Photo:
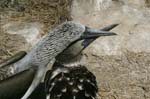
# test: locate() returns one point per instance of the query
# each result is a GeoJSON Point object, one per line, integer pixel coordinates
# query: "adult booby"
{"type": "Point", "coordinates": [48, 48]}
{"type": "Point", "coordinates": [67, 81]}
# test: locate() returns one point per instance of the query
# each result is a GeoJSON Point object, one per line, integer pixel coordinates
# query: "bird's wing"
{"type": "Point", "coordinates": [39, 92]}
{"type": "Point", "coordinates": [6, 67]}
{"type": "Point", "coordinates": [13, 59]}
{"type": "Point", "coordinates": [15, 86]}
{"type": "Point", "coordinates": [36, 81]}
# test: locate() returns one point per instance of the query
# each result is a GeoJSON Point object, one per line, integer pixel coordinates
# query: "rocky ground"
{"type": "Point", "coordinates": [121, 63]}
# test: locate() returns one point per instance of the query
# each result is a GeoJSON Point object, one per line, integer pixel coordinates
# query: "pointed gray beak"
{"type": "Point", "coordinates": [94, 33]}
{"type": "Point", "coordinates": [109, 27]}
{"type": "Point", "coordinates": [74, 50]}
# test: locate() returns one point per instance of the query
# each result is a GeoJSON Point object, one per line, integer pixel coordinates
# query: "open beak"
{"type": "Point", "coordinates": [91, 34]}
{"type": "Point", "coordinates": [94, 33]}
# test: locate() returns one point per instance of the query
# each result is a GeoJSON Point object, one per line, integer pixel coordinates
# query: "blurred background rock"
{"type": "Point", "coordinates": [121, 63]}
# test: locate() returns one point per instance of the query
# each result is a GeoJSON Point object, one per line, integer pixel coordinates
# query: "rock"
{"type": "Point", "coordinates": [139, 3]}
{"type": "Point", "coordinates": [79, 7]}
{"type": "Point", "coordinates": [134, 23]}
{"type": "Point", "coordinates": [30, 31]}
{"type": "Point", "coordinates": [121, 63]}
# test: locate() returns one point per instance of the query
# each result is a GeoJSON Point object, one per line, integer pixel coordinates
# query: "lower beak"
{"type": "Point", "coordinates": [92, 33]}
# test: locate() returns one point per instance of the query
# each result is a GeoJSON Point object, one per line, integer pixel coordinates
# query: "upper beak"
{"type": "Point", "coordinates": [91, 34]}
{"type": "Point", "coordinates": [109, 27]}
{"type": "Point", "coordinates": [86, 42]}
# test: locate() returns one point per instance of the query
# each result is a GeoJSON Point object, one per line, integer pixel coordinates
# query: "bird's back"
{"type": "Point", "coordinates": [72, 83]}
{"type": "Point", "coordinates": [7, 66]}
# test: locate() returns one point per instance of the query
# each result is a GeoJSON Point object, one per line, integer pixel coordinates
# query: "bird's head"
{"type": "Point", "coordinates": [59, 39]}
{"type": "Point", "coordinates": [73, 32]}
{"type": "Point", "coordinates": [82, 36]}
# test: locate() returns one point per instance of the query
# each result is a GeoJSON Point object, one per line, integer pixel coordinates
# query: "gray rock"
{"type": "Point", "coordinates": [121, 63]}
{"type": "Point", "coordinates": [30, 31]}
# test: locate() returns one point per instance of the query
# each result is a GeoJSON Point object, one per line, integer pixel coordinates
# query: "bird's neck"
{"type": "Point", "coordinates": [74, 62]}
{"type": "Point", "coordinates": [43, 52]}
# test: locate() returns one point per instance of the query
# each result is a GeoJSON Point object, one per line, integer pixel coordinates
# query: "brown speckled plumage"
{"type": "Point", "coordinates": [76, 83]}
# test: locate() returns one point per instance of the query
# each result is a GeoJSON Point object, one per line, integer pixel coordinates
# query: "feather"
{"type": "Point", "coordinates": [68, 85]}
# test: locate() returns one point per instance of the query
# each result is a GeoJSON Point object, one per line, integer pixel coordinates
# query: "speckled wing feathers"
{"type": "Point", "coordinates": [78, 83]}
